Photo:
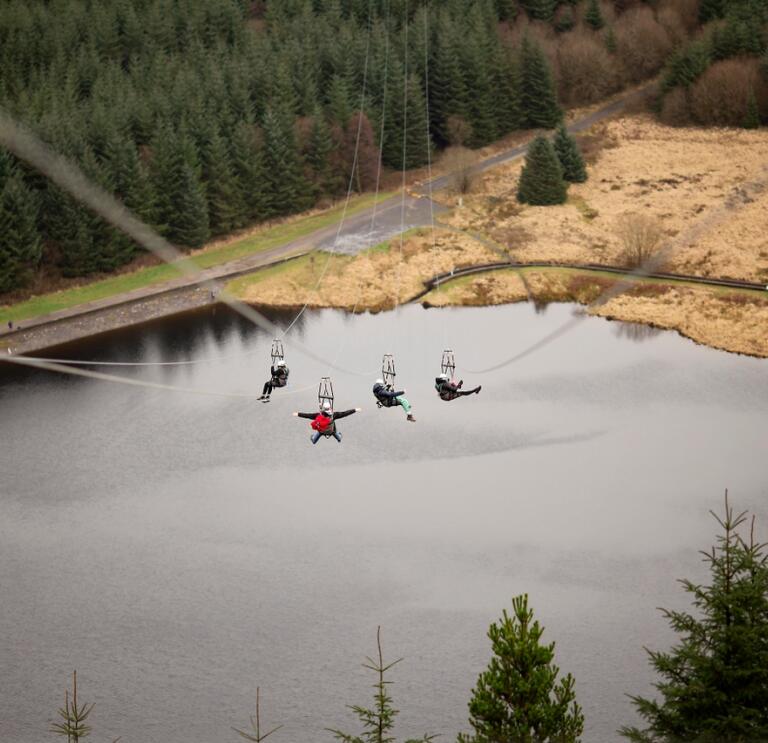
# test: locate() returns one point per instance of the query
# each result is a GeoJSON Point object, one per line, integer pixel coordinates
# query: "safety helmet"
{"type": "Point", "coordinates": [326, 406]}
{"type": "Point", "coordinates": [443, 376]}
{"type": "Point", "coordinates": [379, 381]}
{"type": "Point", "coordinates": [281, 362]}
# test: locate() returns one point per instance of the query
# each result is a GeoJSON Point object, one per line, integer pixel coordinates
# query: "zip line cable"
{"type": "Point", "coordinates": [70, 178]}
{"type": "Point", "coordinates": [429, 157]}
{"type": "Point", "coordinates": [379, 165]}
{"type": "Point", "coordinates": [53, 366]}
{"type": "Point", "coordinates": [355, 164]}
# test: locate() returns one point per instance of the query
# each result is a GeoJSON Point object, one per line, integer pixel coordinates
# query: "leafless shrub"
{"type": "Point", "coordinates": [586, 71]}
{"type": "Point", "coordinates": [675, 109]}
{"type": "Point", "coordinates": [670, 20]}
{"type": "Point", "coordinates": [458, 162]}
{"type": "Point", "coordinates": [687, 11]}
{"type": "Point", "coordinates": [640, 235]}
{"type": "Point", "coordinates": [594, 141]}
{"type": "Point", "coordinates": [642, 43]}
{"type": "Point", "coordinates": [459, 130]}
{"type": "Point", "coordinates": [721, 95]}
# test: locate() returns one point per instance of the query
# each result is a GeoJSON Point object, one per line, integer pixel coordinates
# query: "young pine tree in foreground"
{"type": "Point", "coordinates": [73, 716]}
{"type": "Point", "coordinates": [379, 721]}
{"type": "Point", "coordinates": [541, 182]}
{"type": "Point", "coordinates": [714, 682]}
{"type": "Point", "coordinates": [518, 698]}
{"type": "Point", "coordinates": [569, 155]}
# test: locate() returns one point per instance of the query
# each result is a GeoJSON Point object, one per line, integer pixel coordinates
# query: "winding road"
{"type": "Point", "coordinates": [363, 230]}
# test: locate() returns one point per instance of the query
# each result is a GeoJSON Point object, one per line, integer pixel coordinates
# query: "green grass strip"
{"type": "Point", "coordinates": [270, 237]}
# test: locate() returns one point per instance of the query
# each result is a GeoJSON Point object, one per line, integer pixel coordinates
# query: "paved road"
{"type": "Point", "coordinates": [365, 229]}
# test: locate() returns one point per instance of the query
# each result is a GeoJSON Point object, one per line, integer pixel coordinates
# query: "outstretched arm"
{"type": "Point", "coordinates": [310, 416]}
{"type": "Point", "coordinates": [345, 413]}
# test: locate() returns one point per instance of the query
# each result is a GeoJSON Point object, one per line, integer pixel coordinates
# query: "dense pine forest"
{"type": "Point", "coordinates": [205, 116]}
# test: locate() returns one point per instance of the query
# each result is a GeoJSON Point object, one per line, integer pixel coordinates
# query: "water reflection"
{"type": "Point", "coordinates": [215, 549]}
{"type": "Point", "coordinates": [636, 331]}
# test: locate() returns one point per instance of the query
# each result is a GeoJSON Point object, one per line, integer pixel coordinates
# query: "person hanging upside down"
{"type": "Point", "coordinates": [279, 378]}
{"type": "Point", "coordinates": [387, 397]}
{"type": "Point", "coordinates": [449, 389]}
{"type": "Point", "coordinates": [324, 422]}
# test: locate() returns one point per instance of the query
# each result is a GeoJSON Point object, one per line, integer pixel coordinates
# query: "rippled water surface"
{"type": "Point", "coordinates": [182, 550]}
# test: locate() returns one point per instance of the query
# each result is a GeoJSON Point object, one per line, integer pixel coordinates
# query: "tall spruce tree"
{"type": "Point", "coordinates": [287, 189]}
{"type": "Point", "coordinates": [540, 10]}
{"type": "Point", "coordinates": [226, 207]}
{"type": "Point", "coordinates": [519, 698]}
{"type": "Point", "coordinates": [714, 682]}
{"type": "Point", "coordinates": [538, 98]}
{"type": "Point", "coordinates": [541, 181]}
{"type": "Point", "coordinates": [20, 247]}
{"type": "Point", "coordinates": [569, 155]}
{"type": "Point", "coordinates": [249, 169]}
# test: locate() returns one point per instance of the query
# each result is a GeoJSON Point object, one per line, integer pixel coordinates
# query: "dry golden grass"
{"type": "Point", "coordinates": [375, 280]}
{"type": "Point", "coordinates": [674, 175]}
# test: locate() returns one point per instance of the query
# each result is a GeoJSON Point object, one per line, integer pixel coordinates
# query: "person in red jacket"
{"type": "Point", "coordinates": [324, 422]}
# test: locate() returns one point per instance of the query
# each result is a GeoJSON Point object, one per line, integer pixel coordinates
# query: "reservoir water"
{"type": "Point", "coordinates": [181, 550]}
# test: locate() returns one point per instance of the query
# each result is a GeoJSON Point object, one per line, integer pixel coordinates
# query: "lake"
{"type": "Point", "coordinates": [181, 550]}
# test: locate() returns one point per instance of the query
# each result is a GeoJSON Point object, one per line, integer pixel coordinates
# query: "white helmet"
{"type": "Point", "coordinates": [443, 376]}
{"type": "Point", "coordinates": [326, 406]}
{"type": "Point", "coordinates": [281, 362]}
{"type": "Point", "coordinates": [379, 381]}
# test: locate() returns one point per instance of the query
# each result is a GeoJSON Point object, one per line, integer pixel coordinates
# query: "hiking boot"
{"type": "Point", "coordinates": [411, 418]}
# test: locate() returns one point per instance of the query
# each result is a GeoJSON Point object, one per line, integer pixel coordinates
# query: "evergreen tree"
{"type": "Point", "coordinates": [569, 155]}
{"type": "Point", "coordinates": [226, 207]}
{"type": "Point", "coordinates": [540, 10]}
{"type": "Point", "coordinates": [537, 89]}
{"type": "Point", "coordinates": [564, 20]}
{"type": "Point", "coordinates": [287, 190]}
{"type": "Point", "coordinates": [377, 722]}
{"type": "Point", "coordinates": [518, 697]}
{"type": "Point", "coordinates": [541, 181]}
{"type": "Point", "coordinates": [709, 10]}
{"type": "Point", "coordinates": [447, 89]}
{"type": "Point", "coordinates": [189, 224]}
{"type": "Point", "coordinates": [249, 169]}
{"type": "Point", "coordinates": [714, 682]}
{"type": "Point", "coordinates": [20, 247]}
{"type": "Point", "coordinates": [752, 118]}
{"type": "Point", "coordinates": [593, 16]}
{"type": "Point", "coordinates": [319, 147]}
{"type": "Point", "coordinates": [610, 40]}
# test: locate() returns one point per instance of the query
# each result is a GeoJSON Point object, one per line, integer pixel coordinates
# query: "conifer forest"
{"type": "Point", "coordinates": [204, 116]}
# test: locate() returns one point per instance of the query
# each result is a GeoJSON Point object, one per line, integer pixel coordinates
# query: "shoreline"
{"type": "Point", "coordinates": [439, 292]}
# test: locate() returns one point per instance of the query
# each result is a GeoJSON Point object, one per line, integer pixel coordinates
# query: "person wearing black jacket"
{"type": "Point", "coordinates": [279, 378]}
{"type": "Point", "coordinates": [449, 390]}
{"type": "Point", "coordinates": [324, 422]}
{"type": "Point", "coordinates": [387, 397]}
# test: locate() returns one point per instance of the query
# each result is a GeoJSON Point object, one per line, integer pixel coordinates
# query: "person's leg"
{"type": "Point", "coordinates": [316, 437]}
{"type": "Point", "coordinates": [337, 436]}
{"type": "Point", "coordinates": [403, 402]}
{"type": "Point", "coordinates": [464, 393]}
{"type": "Point", "coordinates": [267, 391]}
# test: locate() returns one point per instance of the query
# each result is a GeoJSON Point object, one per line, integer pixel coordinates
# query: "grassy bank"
{"type": "Point", "coordinates": [262, 239]}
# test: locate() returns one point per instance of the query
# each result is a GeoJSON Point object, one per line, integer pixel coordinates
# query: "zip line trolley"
{"type": "Point", "coordinates": [448, 363]}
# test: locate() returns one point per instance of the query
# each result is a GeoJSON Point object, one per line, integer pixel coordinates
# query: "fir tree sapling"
{"type": "Point", "coordinates": [254, 734]}
{"type": "Point", "coordinates": [73, 716]}
{"type": "Point", "coordinates": [541, 181]}
{"type": "Point", "coordinates": [518, 698]}
{"type": "Point", "coordinates": [713, 684]}
{"type": "Point", "coordinates": [593, 16]}
{"type": "Point", "coordinates": [377, 722]}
